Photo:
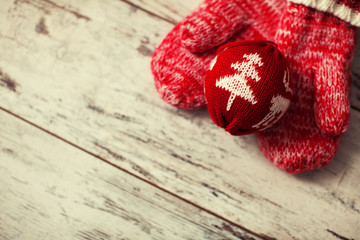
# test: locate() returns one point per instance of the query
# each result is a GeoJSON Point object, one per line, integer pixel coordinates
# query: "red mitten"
{"type": "Point", "coordinates": [319, 48]}
{"type": "Point", "coordinates": [179, 74]}
{"type": "Point", "coordinates": [248, 86]}
{"type": "Point", "coordinates": [215, 21]}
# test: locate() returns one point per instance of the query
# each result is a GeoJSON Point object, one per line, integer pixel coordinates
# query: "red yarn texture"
{"type": "Point", "coordinates": [319, 48]}
{"type": "Point", "coordinates": [248, 86]}
{"type": "Point", "coordinates": [216, 21]}
{"type": "Point", "coordinates": [179, 73]}
{"type": "Point", "coordinates": [346, 10]}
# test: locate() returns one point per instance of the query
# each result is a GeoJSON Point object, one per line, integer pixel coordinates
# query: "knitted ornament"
{"type": "Point", "coordinates": [318, 48]}
{"type": "Point", "coordinates": [248, 86]}
{"type": "Point", "coordinates": [179, 73]}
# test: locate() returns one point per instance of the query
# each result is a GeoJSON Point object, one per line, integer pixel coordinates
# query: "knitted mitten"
{"type": "Point", "coordinates": [215, 21]}
{"type": "Point", "coordinates": [179, 73]}
{"type": "Point", "coordinates": [318, 47]}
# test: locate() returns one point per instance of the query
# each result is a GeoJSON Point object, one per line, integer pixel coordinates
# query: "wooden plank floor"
{"type": "Point", "coordinates": [89, 151]}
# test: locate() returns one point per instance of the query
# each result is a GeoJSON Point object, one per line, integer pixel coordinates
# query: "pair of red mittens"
{"type": "Point", "coordinates": [317, 46]}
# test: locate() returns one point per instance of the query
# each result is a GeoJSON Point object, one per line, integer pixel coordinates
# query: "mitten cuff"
{"type": "Point", "coordinates": [346, 10]}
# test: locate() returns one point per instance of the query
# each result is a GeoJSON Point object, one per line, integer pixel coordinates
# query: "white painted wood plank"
{"type": "Point", "coordinates": [51, 190]}
{"type": "Point", "coordinates": [88, 80]}
{"type": "Point", "coordinates": [172, 11]}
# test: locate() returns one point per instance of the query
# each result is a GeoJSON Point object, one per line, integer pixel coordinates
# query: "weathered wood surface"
{"type": "Point", "coordinates": [64, 193]}
{"type": "Point", "coordinates": [170, 11]}
{"type": "Point", "coordinates": [80, 69]}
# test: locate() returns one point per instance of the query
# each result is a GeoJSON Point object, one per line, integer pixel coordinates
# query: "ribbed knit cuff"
{"type": "Point", "coordinates": [346, 10]}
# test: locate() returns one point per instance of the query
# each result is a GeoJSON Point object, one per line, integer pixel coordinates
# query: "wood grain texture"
{"type": "Point", "coordinates": [64, 193]}
{"type": "Point", "coordinates": [171, 11]}
{"type": "Point", "coordinates": [81, 70]}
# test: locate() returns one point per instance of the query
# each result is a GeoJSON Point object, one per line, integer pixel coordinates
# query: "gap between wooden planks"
{"type": "Point", "coordinates": [82, 107]}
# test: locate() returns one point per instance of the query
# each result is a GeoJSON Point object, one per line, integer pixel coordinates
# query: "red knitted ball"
{"type": "Point", "coordinates": [248, 86]}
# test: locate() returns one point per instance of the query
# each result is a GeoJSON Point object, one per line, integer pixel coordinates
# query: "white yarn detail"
{"type": "Point", "coordinates": [286, 81]}
{"type": "Point", "coordinates": [279, 104]}
{"type": "Point", "coordinates": [339, 10]}
{"type": "Point", "coordinates": [236, 84]}
{"type": "Point", "coordinates": [212, 64]}
{"type": "Point", "coordinates": [253, 59]}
